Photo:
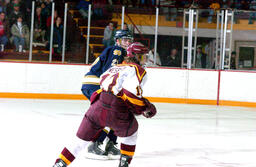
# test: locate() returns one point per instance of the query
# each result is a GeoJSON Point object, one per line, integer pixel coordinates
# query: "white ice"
{"type": "Point", "coordinates": [33, 133]}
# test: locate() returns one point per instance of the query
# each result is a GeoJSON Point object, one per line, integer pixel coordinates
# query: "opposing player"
{"type": "Point", "coordinates": [111, 56]}
{"type": "Point", "coordinates": [114, 105]}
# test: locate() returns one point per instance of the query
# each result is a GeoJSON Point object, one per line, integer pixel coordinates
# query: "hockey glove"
{"type": "Point", "coordinates": [150, 110]}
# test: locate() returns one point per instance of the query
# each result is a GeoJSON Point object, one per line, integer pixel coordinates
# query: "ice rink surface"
{"type": "Point", "coordinates": [33, 133]}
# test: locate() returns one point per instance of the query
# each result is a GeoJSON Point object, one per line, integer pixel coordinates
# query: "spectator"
{"type": "Point", "coordinates": [121, 2]}
{"type": "Point", "coordinates": [252, 14]}
{"type": "Point", "coordinates": [225, 4]}
{"type": "Point", "coordinates": [110, 2]}
{"type": "Point", "coordinates": [173, 11]}
{"type": "Point", "coordinates": [149, 61]}
{"type": "Point", "coordinates": [15, 13]}
{"type": "Point", "coordinates": [112, 41]}
{"type": "Point", "coordinates": [39, 31]}
{"type": "Point", "coordinates": [233, 60]}
{"type": "Point", "coordinates": [48, 24]}
{"type": "Point", "coordinates": [127, 28]}
{"type": "Point", "coordinates": [200, 58]}
{"type": "Point", "coordinates": [98, 6]}
{"type": "Point", "coordinates": [107, 40]}
{"type": "Point", "coordinates": [245, 4]}
{"type": "Point", "coordinates": [48, 4]}
{"type": "Point", "coordinates": [147, 3]}
{"type": "Point", "coordinates": [174, 59]}
{"type": "Point", "coordinates": [205, 4]}
{"type": "Point", "coordinates": [10, 6]}
{"type": "Point", "coordinates": [4, 30]}
{"type": "Point", "coordinates": [27, 10]}
{"type": "Point", "coordinates": [237, 4]}
{"type": "Point", "coordinates": [134, 3]}
{"type": "Point", "coordinates": [45, 13]}
{"type": "Point", "coordinates": [5, 3]}
{"type": "Point", "coordinates": [185, 3]}
{"type": "Point", "coordinates": [20, 34]}
{"type": "Point", "coordinates": [57, 34]}
{"type": "Point", "coordinates": [83, 7]}
{"type": "Point", "coordinates": [2, 7]}
{"type": "Point", "coordinates": [213, 8]}
{"type": "Point", "coordinates": [49, 19]}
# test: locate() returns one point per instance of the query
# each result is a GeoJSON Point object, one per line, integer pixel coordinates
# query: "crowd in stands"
{"type": "Point", "coordinates": [236, 4]}
{"type": "Point", "coordinates": [173, 5]}
{"type": "Point", "coordinates": [108, 40]}
{"type": "Point", "coordinates": [171, 60]}
{"type": "Point", "coordinates": [174, 59]}
{"type": "Point", "coordinates": [202, 60]}
{"type": "Point", "coordinates": [15, 20]}
{"type": "Point", "coordinates": [109, 32]}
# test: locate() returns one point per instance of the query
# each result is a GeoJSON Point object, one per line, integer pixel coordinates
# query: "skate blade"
{"type": "Point", "coordinates": [96, 157]}
{"type": "Point", "coordinates": [113, 157]}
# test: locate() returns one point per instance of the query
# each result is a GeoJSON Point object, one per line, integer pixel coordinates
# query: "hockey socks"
{"type": "Point", "coordinates": [102, 136]}
{"type": "Point", "coordinates": [128, 151]}
{"type": "Point", "coordinates": [112, 137]}
{"type": "Point", "coordinates": [65, 158]}
{"type": "Point", "coordinates": [107, 132]}
{"type": "Point", "coordinates": [68, 154]}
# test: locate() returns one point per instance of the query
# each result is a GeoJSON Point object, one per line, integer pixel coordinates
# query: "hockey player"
{"type": "Point", "coordinates": [111, 56]}
{"type": "Point", "coordinates": [114, 105]}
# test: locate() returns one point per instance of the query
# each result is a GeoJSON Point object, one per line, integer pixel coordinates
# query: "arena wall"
{"type": "Point", "coordinates": [62, 81]}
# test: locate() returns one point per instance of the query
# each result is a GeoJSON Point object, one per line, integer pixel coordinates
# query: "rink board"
{"type": "Point", "coordinates": [63, 81]}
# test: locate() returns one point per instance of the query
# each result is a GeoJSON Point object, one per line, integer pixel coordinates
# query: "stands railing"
{"type": "Point", "coordinates": [70, 42]}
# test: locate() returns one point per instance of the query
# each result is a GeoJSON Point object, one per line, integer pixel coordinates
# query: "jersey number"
{"type": "Point", "coordinates": [114, 62]}
{"type": "Point", "coordinates": [139, 91]}
{"type": "Point", "coordinates": [113, 83]}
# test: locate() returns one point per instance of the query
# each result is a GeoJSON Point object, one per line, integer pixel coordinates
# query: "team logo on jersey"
{"type": "Point", "coordinates": [117, 52]}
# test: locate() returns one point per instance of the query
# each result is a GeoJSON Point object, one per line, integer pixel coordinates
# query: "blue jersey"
{"type": "Point", "coordinates": [109, 57]}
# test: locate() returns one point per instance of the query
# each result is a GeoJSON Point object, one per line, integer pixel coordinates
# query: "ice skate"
{"type": "Point", "coordinates": [95, 152]}
{"type": "Point", "coordinates": [60, 163]}
{"type": "Point", "coordinates": [124, 161]}
{"type": "Point", "coordinates": [112, 151]}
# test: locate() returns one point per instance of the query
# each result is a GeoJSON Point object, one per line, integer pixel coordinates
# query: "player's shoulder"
{"type": "Point", "coordinates": [106, 50]}
{"type": "Point", "coordinates": [139, 70]}
{"type": "Point", "coordinates": [113, 50]}
{"type": "Point", "coordinates": [138, 67]}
